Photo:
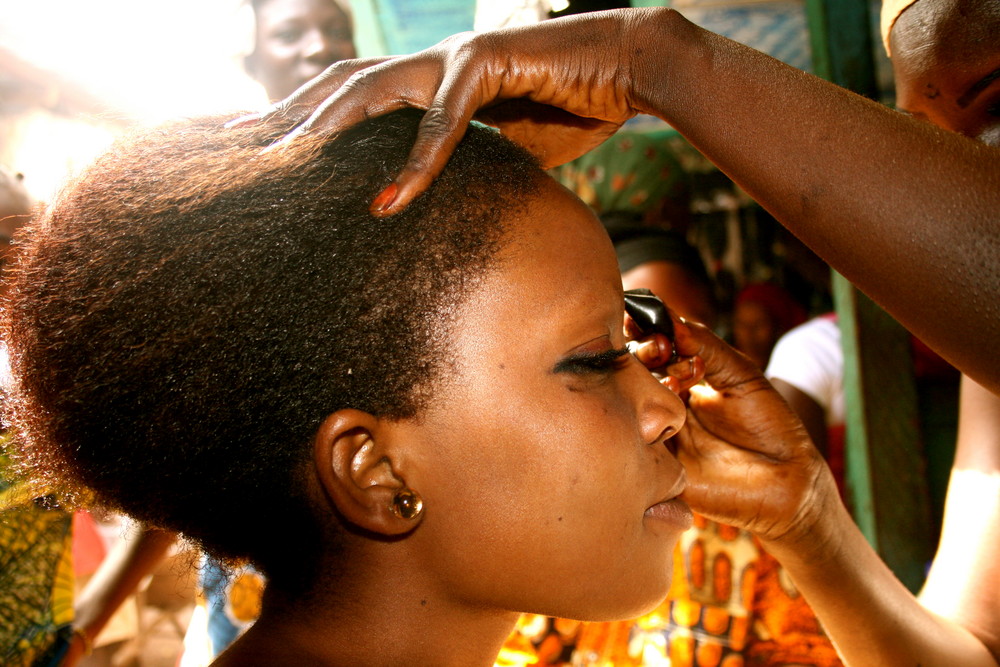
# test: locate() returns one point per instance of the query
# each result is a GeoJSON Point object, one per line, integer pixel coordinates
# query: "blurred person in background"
{"type": "Point", "coordinates": [295, 40]}
{"type": "Point", "coordinates": [946, 61]}
{"type": "Point", "coordinates": [761, 314]}
{"type": "Point", "coordinates": [15, 210]}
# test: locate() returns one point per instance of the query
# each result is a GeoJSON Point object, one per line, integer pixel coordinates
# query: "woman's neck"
{"type": "Point", "coordinates": [388, 625]}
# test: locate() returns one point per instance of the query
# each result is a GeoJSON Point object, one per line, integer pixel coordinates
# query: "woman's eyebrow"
{"type": "Point", "coordinates": [979, 86]}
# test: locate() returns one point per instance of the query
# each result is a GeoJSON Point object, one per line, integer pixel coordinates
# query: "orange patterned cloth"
{"type": "Point", "coordinates": [730, 605]}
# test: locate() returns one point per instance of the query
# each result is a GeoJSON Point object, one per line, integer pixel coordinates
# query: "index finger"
{"type": "Point", "coordinates": [345, 96]}
{"type": "Point", "coordinates": [445, 86]}
{"type": "Point", "coordinates": [462, 92]}
{"type": "Point", "coordinates": [725, 367]}
{"type": "Point", "coordinates": [311, 94]}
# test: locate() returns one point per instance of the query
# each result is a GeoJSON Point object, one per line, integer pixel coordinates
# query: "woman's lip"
{"type": "Point", "coordinates": [674, 511]}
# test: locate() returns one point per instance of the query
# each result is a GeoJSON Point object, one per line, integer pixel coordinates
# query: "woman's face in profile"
{"type": "Point", "coordinates": [296, 40]}
{"type": "Point", "coordinates": [547, 483]}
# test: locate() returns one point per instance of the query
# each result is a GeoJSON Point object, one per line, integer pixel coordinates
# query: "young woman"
{"type": "Point", "coordinates": [377, 413]}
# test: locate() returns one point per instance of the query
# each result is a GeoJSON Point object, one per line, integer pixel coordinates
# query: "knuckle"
{"type": "Point", "coordinates": [344, 69]}
{"type": "Point", "coordinates": [438, 121]}
{"type": "Point", "coordinates": [460, 40]}
{"type": "Point", "coordinates": [418, 163]}
{"type": "Point", "coordinates": [360, 80]}
{"type": "Point", "coordinates": [477, 47]}
{"type": "Point", "coordinates": [363, 78]}
{"type": "Point", "coordinates": [339, 69]}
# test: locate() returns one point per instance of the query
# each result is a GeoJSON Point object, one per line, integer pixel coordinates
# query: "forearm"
{"type": "Point", "coordinates": [133, 558]}
{"type": "Point", "coordinates": [965, 577]}
{"type": "Point", "coordinates": [904, 210]}
{"type": "Point", "coordinates": [870, 616]}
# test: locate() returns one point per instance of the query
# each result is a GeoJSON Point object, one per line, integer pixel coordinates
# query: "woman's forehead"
{"type": "Point", "coordinates": [556, 247]}
{"type": "Point", "coordinates": [555, 226]}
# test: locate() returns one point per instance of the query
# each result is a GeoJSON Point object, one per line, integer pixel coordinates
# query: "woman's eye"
{"type": "Point", "coordinates": [590, 364]}
{"type": "Point", "coordinates": [337, 33]}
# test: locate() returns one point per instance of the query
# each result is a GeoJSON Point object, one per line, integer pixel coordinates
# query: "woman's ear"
{"type": "Point", "coordinates": [353, 459]}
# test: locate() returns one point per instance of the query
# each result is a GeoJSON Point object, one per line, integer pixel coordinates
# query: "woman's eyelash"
{"type": "Point", "coordinates": [602, 362]}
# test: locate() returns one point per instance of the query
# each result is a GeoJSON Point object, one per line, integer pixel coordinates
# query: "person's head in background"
{"type": "Point", "coordinates": [946, 61]}
{"type": "Point", "coordinates": [295, 40]}
{"type": "Point", "coordinates": [663, 261]}
{"type": "Point", "coordinates": [15, 210]}
{"type": "Point", "coordinates": [763, 312]}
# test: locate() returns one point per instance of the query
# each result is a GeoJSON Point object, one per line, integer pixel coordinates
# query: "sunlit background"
{"type": "Point", "coordinates": [151, 59]}
{"type": "Point", "coordinates": [97, 66]}
{"type": "Point", "coordinates": [73, 73]}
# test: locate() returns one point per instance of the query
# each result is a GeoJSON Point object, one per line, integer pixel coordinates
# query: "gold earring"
{"type": "Point", "coordinates": [406, 504]}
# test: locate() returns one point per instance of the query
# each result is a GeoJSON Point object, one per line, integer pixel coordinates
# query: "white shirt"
{"type": "Point", "coordinates": [810, 358]}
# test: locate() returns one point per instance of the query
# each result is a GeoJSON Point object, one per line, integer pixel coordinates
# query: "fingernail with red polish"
{"type": "Point", "coordinates": [385, 199]}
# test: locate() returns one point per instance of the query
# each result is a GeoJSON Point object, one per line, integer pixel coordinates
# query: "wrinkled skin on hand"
{"type": "Point", "coordinates": [749, 460]}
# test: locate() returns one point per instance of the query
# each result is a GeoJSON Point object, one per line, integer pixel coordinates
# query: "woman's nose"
{"type": "Point", "coordinates": [319, 47]}
{"type": "Point", "coordinates": [661, 412]}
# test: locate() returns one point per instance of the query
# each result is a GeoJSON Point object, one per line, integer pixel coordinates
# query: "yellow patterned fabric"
{"type": "Point", "coordinates": [36, 577]}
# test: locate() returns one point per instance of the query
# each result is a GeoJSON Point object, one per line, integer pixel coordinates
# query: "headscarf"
{"type": "Point", "coordinates": [629, 172]}
{"type": "Point", "coordinates": [637, 244]}
{"type": "Point", "coordinates": [891, 9]}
